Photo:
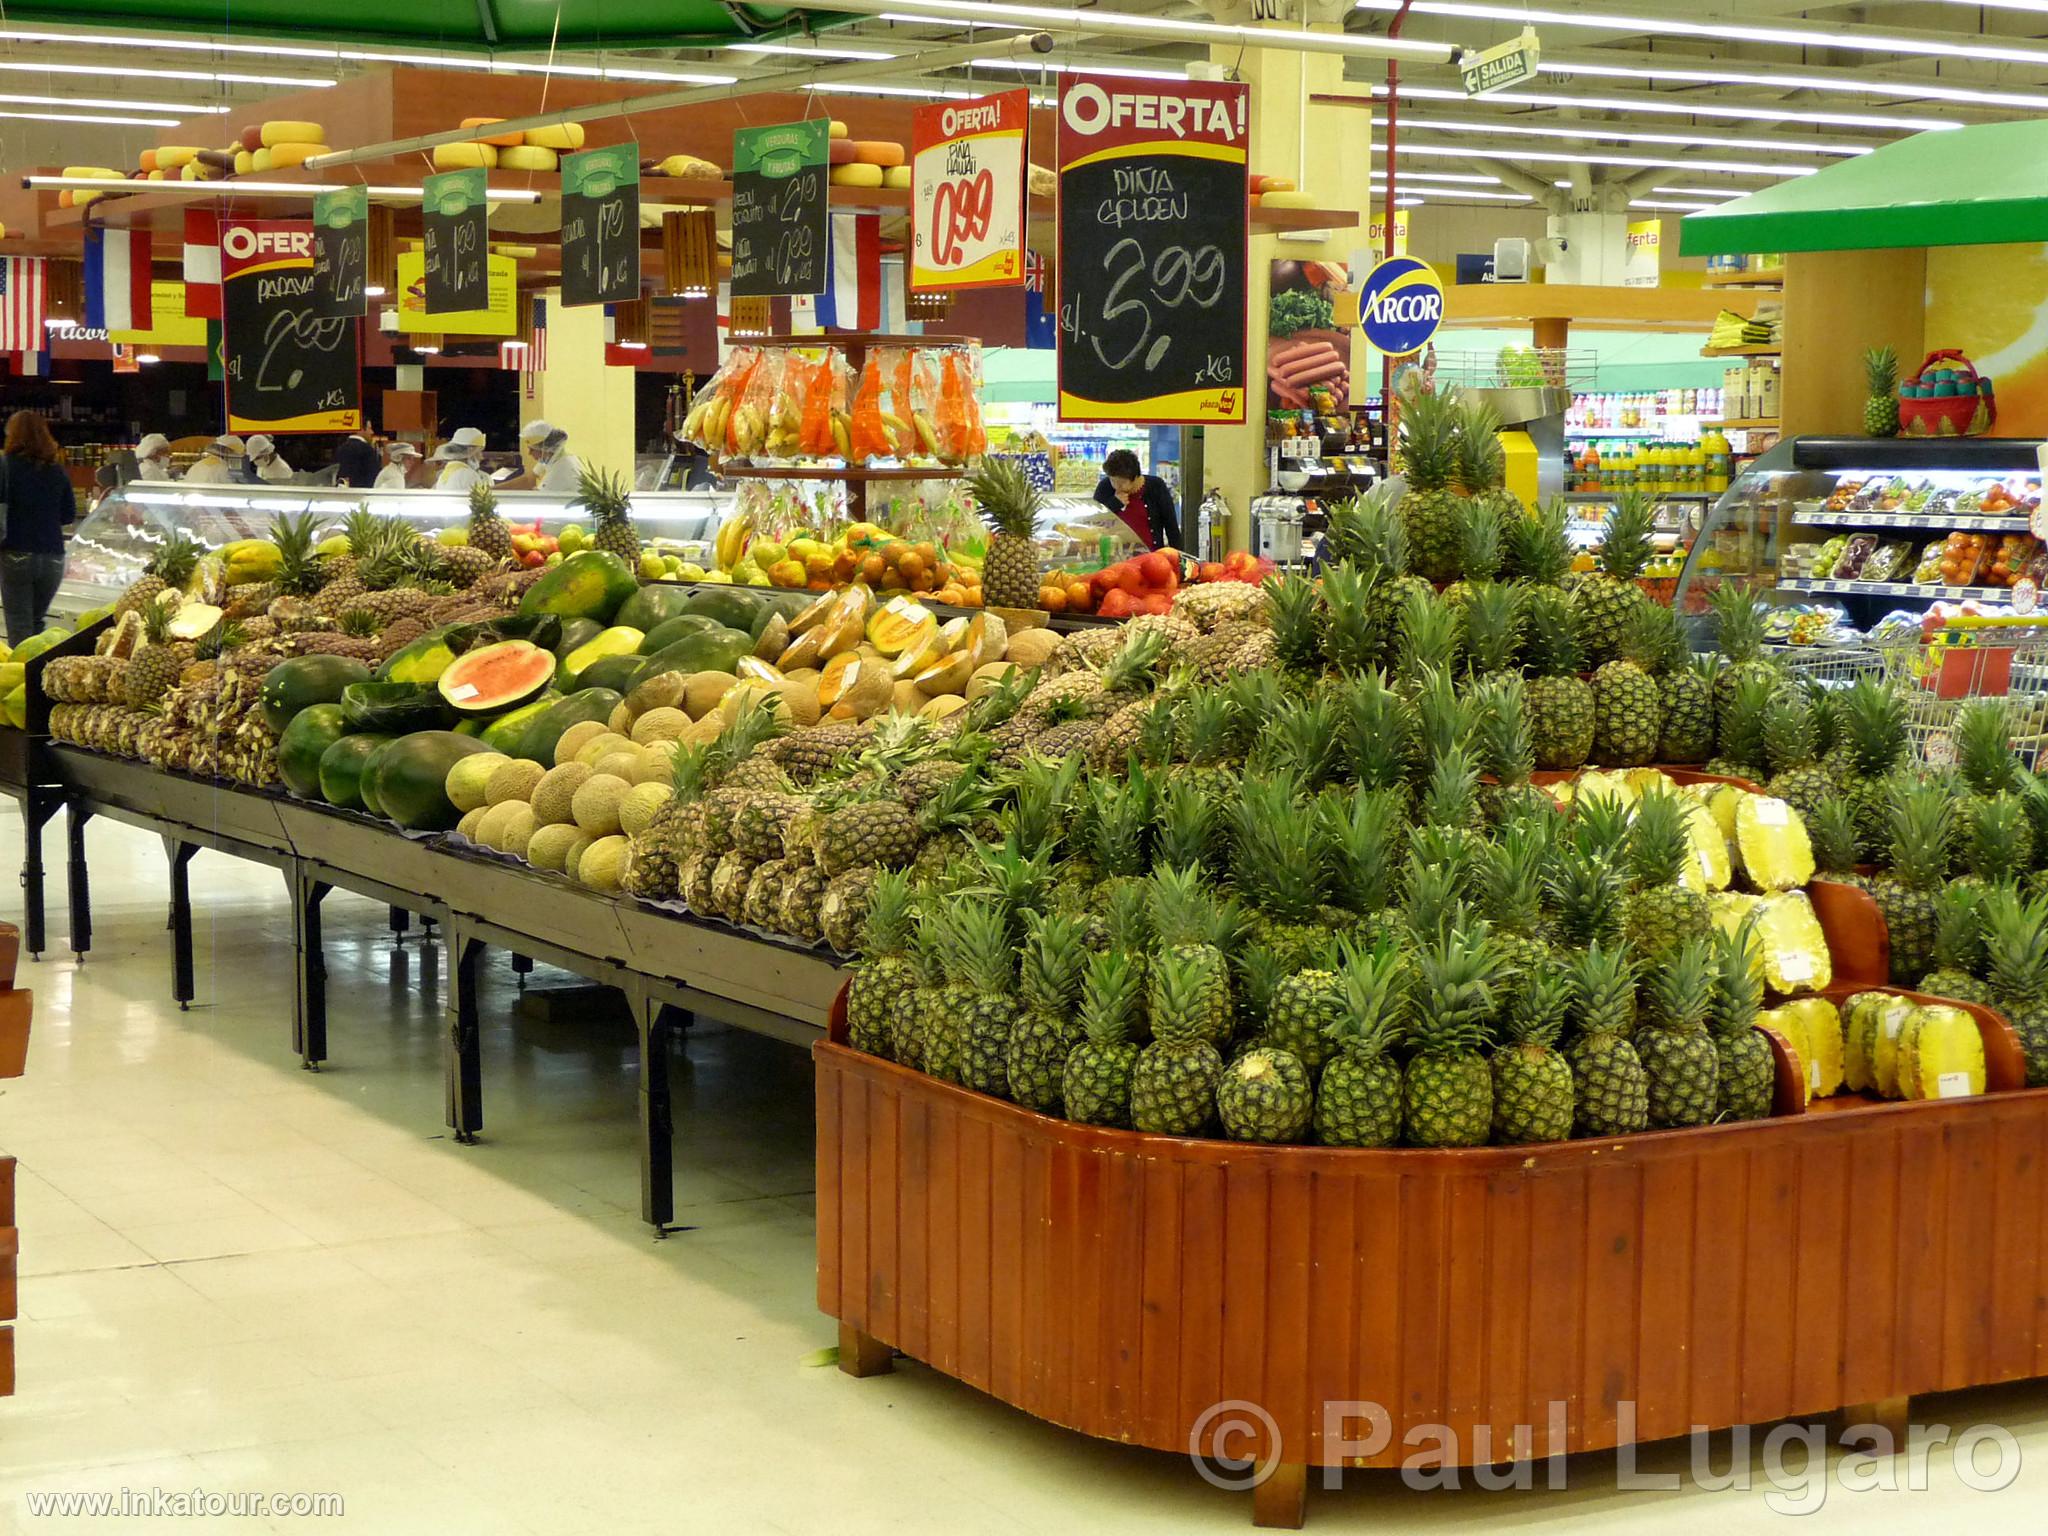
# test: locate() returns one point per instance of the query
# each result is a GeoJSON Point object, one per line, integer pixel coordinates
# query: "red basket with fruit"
{"type": "Point", "coordinates": [1946, 397]}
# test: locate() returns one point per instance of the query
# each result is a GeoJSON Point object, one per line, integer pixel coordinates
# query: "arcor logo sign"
{"type": "Point", "coordinates": [242, 242]}
{"type": "Point", "coordinates": [1402, 305]}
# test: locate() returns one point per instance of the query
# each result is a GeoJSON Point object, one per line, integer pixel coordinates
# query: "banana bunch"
{"type": "Point", "coordinates": [730, 544]}
{"type": "Point", "coordinates": [927, 433]}
{"type": "Point", "coordinates": [247, 560]}
{"type": "Point", "coordinates": [784, 437]}
{"type": "Point", "coordinates": [705, 424]}
{"type": "Point", "coordinates": [749, 429]}
{"type": "Point", "coordinates": [842, 434]}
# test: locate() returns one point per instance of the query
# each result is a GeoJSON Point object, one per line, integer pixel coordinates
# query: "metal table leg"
{"type": "Point", "coordinates": [309, 997]}
{"type": "Point", "coordinates": [38, 806]}
{"type": "Point", "coordinates": [401, 920]}
{"type": "Point", "coordinates": [656, 1023]}
{"type": "Point", "coordinates": [75, 818]}
{"type": "Point", "coordinates": [522, 967]}
{"type": "Point", "coordinates": [462, 1056]}
{"type": "Point", "coordinates": [183, 985]}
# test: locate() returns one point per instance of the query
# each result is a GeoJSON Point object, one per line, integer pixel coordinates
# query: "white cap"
{"type": "Point", "coordinates": [403, 451]}
{"type": "Point", "coordinates": [151, 445]}
{"type": "Point", "coordinates": [460, 443]}
{"type": "Point", "coordinates": [539, 431]}
{"type": "Point", "coordinates": [226, 443]}
{"type": "Point", "coordinates": [260, 445]}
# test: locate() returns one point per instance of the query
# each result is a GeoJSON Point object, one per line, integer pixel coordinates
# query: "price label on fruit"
{"type": "Point", "coordinates": [967, 193]}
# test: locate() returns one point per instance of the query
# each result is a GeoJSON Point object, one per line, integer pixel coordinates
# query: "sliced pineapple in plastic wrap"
{"type": "Point", "coordinates": [1941, 1054]}
{"type": "Point", "coordinates": [1595, 785]}
{"type": "Point", "coordinates": [1707, 866]}
{"type": "Point", "coordinates": [1888, 1026]}
{"type": "Point", "coordinates": [1771, 840]}
{"type": "Point", "coordinates": [1820, 1026]}
{"type": "Point", "coordinates": [1795, 951]}
{"type": "Point", "coordinates": [1783, 1022]}
{"type": "Point", "coordinates": [1864, 1019]}
{"type": "Point", "coordinates": [1647, 781]}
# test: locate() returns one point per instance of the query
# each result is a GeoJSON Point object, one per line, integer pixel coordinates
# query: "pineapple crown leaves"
{"type": "Point", "coordinates": [225, 635]}
{"type": "Point", "coordinates": [1832, 830]}
{"type": "Point", "coordinates": [979, 947]}
{"type": "Point", "coordinates": [1738, 621]}
{"type": "Point", "coordinates": [1375, 999]}
{"type": "Point", "coordinates": [928, 942]}
{"type": "Point", "coordinates": [1294, 610]}
{"type": "Point", "coordinates": [956, 802]}
{"type": "Point", "coordinates": [1454, 990]}
{"type": "Point", "coordinates": [1502, 737]}
{"type": "Point", "coordinates": [1479, 541]}
{"type": "Point", "coordinates": [1922, 822]}
{"type": "Point", "coordinates": [298, 570]}
{"type": "Point", "coordinates": [1482, 462]}
{"type": "Point", "coordinates": [1788, 730]}
{"type": "Point", "coordinates": [1874, 717]}
{"type": "Point", "coordinates": [1134, 660]}
{"type": "Point", "coordinates": [1189, 823]}
{"type": "Point", "coordinates": [1119, 819]}
{"type": "Point", "coordinates": [483, 501]}
{"type": "Point", "coordinates": [1002, 701]}
{"type": "Point", "coordinates": [1350, 638]}
{"type": "Point", "coordinates": [1158, 731]}
{"type": "Point", "coordinates": [701, 767]}
{"type": "Point", "coordinates": [1740, 726]}
{"type": "Point", "coordinates": [1205, 725]}
{"type": "Point", "coordinates": [1432, 901]}
{"type": "Point", "coordinates": [1994, 836]}
{"type": "Point", "coordinates": [889, 924]}
{"type": "Point", "coordinates": [1983, 741]}
{"type": "Point", "coordinates": [1378, 730]}
{"type": "Point", "coordinates": [1538, 1013]}
{"type": "Point", "coordinates": [1360, 831]}
{"type": "Point", "coordinates": [1431, 633]}
{"type": "Point", "coordinates": [1257, 971]}
{"type": "Point", "coordinates": [1445, 717]}
{"type": "Point", "coordinates": [1647, 637]}
{"type": "Point", "coordinates": [1959, 928]}
{"type": "Point", "coordinates": [1429, 425]}
{"type": "Point", "coordinates": [1584, 892]}
{"type": "Point", "coordinates": [1537, 547]}
{"type": "Point", "coordinates": [1450, 796]}
{"type": "Point", "coordinates": [1681, 989]}
{"type": "Point", "coordinates": [1881, 370]}
{"type": "Point", "coordinates": [603, 493]}
{"type": "Point", "coordinates": [1511, 873]}
{"type": "Point", "coordinates": [1738, 978]}
{"type": "Point", "coordinates": [1110, 986]}
{"type": "Point", "coordinates": [1040, 794]}
{"type": "Point", "coordinates": [1185, 911]}
{"type": "Point", "coordinates": [1493, 627]}
{"type": "Point", "coordinates": [174, 561]}
{"type": "Point", "coordinates": [1300, 738]}
{"type": "Point", "coordinates": [1017, 882]}
{"type": "Point", "coordinates": [156, 623]}
{"type": "Point", "coordinates": [1551, 638]}
{"type": "Point", "coordinates": [1656, 841]}
{"type": "Point", "coordinates": [2015, 943]}
{"type": "Point", "coordinates": [1179, 983]}
{"type": "Point", "coordinates": [1129, 917]}
{"type": "Point", "coordinates": [1626, 548]}
{"type": "Point", "coordinates": [1366, 531]}
{"type": "Point", "coordinates": [1277, 858]}
{"type": "Point", "coordinates": [359, 621]}
{"type": "Point", "coordinates": [1005, 497]}
{"type": "Point", "coordinates": [1603, 981]}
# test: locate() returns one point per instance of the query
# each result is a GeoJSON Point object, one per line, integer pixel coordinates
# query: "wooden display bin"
{"type": "Point", "coordinates": [1521, 1301]}
{"type": "Point", "coordinates": [14, 1018]}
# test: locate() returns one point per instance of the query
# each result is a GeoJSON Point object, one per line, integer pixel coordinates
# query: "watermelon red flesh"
{"type": "Point", "coordinates": [495, 678]}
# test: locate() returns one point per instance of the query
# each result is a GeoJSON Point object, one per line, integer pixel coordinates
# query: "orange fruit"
{"type": "Point", "coordinates": [1053, 599]}
{"type": "Point", "coordinates": [913, 565]}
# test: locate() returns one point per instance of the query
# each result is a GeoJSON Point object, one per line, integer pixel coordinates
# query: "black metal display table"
{"type": "Point", "coordinates": [26, 775]}
{"type": "Point", "coordinates": [668, 965]}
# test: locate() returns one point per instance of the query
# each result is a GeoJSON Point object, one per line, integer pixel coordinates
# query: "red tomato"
{"type": "Point", "coordinates": [1155, 602]}
{"type": "Point", "coordinates": [1210, 570]}
{"type": "Point", "coordinates": [533, 559]}
{"type": "Point", "coordinates": [1116, 604]}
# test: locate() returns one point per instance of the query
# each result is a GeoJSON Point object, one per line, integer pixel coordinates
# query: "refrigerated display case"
{"type": "Point", "coordinates": [1877, 527]}
{"type": "Point", "coordinates": [118, 538]}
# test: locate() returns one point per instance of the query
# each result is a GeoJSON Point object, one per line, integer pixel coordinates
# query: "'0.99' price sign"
{"type": "Point", "coordinates": [1154, 223]}
{"type": "Point", "coordinates": [967, 193]}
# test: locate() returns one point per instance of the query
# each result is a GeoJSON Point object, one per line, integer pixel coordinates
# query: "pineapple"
{"type": "Point", "coordinates": [1771, 838]}
{"type": "Point", "coordinates": [1560, 703]}
{"type": "Point", "coordinates": [1739, 635]}
{"type": "Point", "coordinates": [1280, 869]}
{"type": "Point", "coordinates": [1628, 707]}
{"type": "Point", "coordinates": [1958, 946]}
{"type": "Point", "coordinates": [1532, 1082]}
{"type": "Point", "coordinates": [1739, 726]}
{"type": "Point", "coordinates": [1506, 753]}
{"type": "Point", "coordinates": [1294, 609]}
{"type": "Point", "coordinates": [931, 1037]}
{"type": "Point", "coordinates": [1447, 1087]}
{"type": "Point", "coordinates": [979, 956]}
{"type": "Point", "coordinates": [1478, 552]}
{"type": "Point", "coordinates": [1358, 832]}
{"type": "Point", "coordinates": [168, 571]}
{"type": "Point", "coordinates": [1194, 930]}
{"type": "Point", "coordinates": [487, 530]}
{"type": "Point", "coordinates": [1265, 1095]}
{"type": "Point", "coordinates": [1047, 1030]}
{"type": "Point", "coordinates": [607, 497]}
{"type": "Point", "coordinates": [885, 971]}
{"type": "Point", "coordinates": [1881, 392]}
{"type": "Point", "coordinates": [153, 671]}
{"type": "Point", "coordinates": [1984, 757]}
{"type": "Point", "coordinates": [1685, 688]}
{"type": "Point", "coordinates": [1583, 894]}
{"type": "Point", "coordinates": [1747, 1080]}
{"type": "Point", "coordinates": [1604, 599]}
{"type": "Point", "coordinates": [1941, 1054]}
{"type": "Point", "coordinates": [1789, 748]}
{"type": "Point", "coordinates": [1659, 915]}
{"type": "Point", "coordinates": [1348, 638]}
{"type": "Point", "coordinates": [1612, 1092]}
{"type": "Point", "coordinates": [1493, 631]}
{"type": "Point", "coordinates": [1009, 503]}
{"type": "Point", "coordinates": [1302, 1010]}
{"type": "Point", "coordinates": [1483, 467]}
{"type": "Point", "coordinates": [1677, 1054]}
{"type": "Point", "coordinates": [1874, 725]}
{"type": "Point", "coordinates": [1793, 946]}
{"type": "Point", "coordinates": [1536, 551]}
{"type": "Point", "coordinates": [1173, 1081]}
{"type": "Point", "coordinates": [1430, 511]}
{"type": "Point", "coordinates": [2016, 950]}
{"type": "Point", "coordinates": [1922, 815]}
{"type": "Point", "coordinates": [1096, 1083]}
{"type": "Point", "coordinates": [1358, 1097]}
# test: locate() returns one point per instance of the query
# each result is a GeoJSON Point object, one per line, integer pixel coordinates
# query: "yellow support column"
{"type": "Point", "coordinates": [579, 394]}
{"type": "Point", "coordinates": [1328, 153]}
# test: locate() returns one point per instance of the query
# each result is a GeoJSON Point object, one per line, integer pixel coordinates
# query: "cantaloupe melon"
{"type": "Point", "coordinates": [896, 176]}
{"type": "Point", "coordinates": [556, 136]}
{"type": "Point", "coordinates": [281, 130]}
{"type": "Point", "coordinates": [878, 152]}
{"type": "Point", "coordinates": [285, 156]}
{"type": "Point", "coordinates": [464, 157]}
{"type": "Point", "coordinates": [502, 140]}
{"type": "Point", "coordinates": [528, 157]}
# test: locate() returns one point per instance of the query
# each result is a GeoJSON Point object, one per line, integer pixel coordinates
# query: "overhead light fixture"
{"type": "Point", "coordinates": [1456, 192]}
{"type": "Point", "coordinates": [1458, 176]}
{"type": "Point", "coordinates": [146, 358]}
{"type": "Point", "coordinates": [1652, 202]}
{"type": "Point", "coordinates": [981, 13]}
{"type": "Point", "coordinates": [90, 117]}
{"type": "Point", "coordinates": [1621, 135]}
{"type": "Point", "coordinates": [1875, 40]}
{"type": "Point", "coordinates": [373, 291]}
{"type": "Point", "coordinates": [188, 107]}
{"type": "Point", "coordinates": [1648, 162]}
{"type": "Point", "coordinates": [1704, 191]}
{"type": "Point", "coordinates": [1681, 106]}
{"type": "Point", "coordinates": [497, 66]}
{"type": "Point", "coordinates": [811, 51]}
{"type": "Point", "coordinates": [229, 188]}
{"type": "Point", "coordinates": [1032, 66]}
{"type": "Point", "coordinates": [1846, 83]}
{"type": "Point", "coordinates": [213, 76]}
{"type": "Point", "coordinates": [874, 88]}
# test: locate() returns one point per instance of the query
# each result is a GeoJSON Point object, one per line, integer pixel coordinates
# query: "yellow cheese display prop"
{"type": "Point", "coordinates": [557, 136]}
{"type": "Point", "coordinates": [528, 157]}
{"type": "Point", "coordinates": [877, 152]}
{"type": "Point", "coordinates": [502, 140]}
{"type": "Point", "coordinates": [689, 168]}
{"type": "Point", "coordinates": [896, 176]}
{"type": "Point", "coordinates": [260, 161]}
{"type": "Point", "coordinates": [1286, 200]}
{"type": "Point", "coordinates": [463, 157]}
{"type": "Point", "coordinates": [170, 157]}
{"type": "Point", "coordinates": [250, 139]}
{"type": "Point", "coordinates": [284, 156]}
{"type": "Point", "coordinates": [284, 131]}
{"type": "Point", "coordinates": [244, 162]}
{"type": "Point", "coordinates": [861, 175]}
{"type": "Point", "coordinates": [838, 129]}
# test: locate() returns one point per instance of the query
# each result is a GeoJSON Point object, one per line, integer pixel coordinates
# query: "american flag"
{"type": "Point", "coordinates": [22, 311]}
{"type": "Point", "coordinates": [536, 360]}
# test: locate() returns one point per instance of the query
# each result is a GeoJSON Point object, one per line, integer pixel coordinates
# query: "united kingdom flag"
{"type": "Point", "coordinates": [1038, 313]}
{"type": "Point", "coordinates": [1034, 272]}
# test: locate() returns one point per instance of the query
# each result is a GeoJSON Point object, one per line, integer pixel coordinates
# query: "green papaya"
{"type": "Point", "coordinates": [618, 673]}
{"type": "Point", "coordinates": [711, 650]}
{"type": "Point", "coordinates": [504, 733]}
{"type": "Point", "coordinates": [734, 607]}
{"type": "Point", "coordinates": [366, 783]}
{"type": "Point", "coordinates": [619, 640]}
{"type": "Point", "coordinates": [590, 584]}
{"type": "Point", "coordinates": [422, 661]}
{"type": "Point", "coordinates": [576, 632]}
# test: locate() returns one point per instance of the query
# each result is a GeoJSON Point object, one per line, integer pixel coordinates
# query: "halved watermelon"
{"type": "Point", "coordinates": [494, 678]}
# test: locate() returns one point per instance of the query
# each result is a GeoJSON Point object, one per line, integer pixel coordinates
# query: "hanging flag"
{"type": "Point", "coordinates": [512, 356]}
{"type": "Point", "coordinates": [31, 365]}
{"type": "Point", "coordinates": [202, 264]}
{"type": "Point", "coordinates": [1038, 311]}
{"type": "Point", "coordinates": [852, 300]}
{"type": "Point", "coordinates": [22, 310]}
{"type": "Point", "coordinates": [895, 300]}
{"type": "Point", "coordinates": [117, 280]}
{"type": "Point", "coordinates": [536, 348]}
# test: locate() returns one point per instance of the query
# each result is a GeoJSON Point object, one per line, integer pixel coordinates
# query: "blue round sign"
{"type": "Point", "coordinates": [1401, 306]}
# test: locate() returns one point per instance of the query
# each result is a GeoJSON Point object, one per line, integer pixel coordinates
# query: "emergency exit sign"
{"type": "Point", "coordinates": [1505, 64]}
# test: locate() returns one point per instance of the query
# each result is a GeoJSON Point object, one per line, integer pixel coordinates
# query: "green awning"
{"type": "Point", "coordinates": [459, 24]}
{"type": "Point", "coordinates": [1985, 185]}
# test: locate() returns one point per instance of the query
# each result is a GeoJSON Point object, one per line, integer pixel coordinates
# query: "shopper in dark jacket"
{"type": "Point", "coordinates": [1144, 502]}
{"type": "Point", "coordinates": [357, 461]}
{"type": "Point", "coordinates": [39, 501]}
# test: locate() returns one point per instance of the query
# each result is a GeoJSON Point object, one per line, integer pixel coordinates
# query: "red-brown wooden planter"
{"type": "Point", "coordinates": [1119, 1284]}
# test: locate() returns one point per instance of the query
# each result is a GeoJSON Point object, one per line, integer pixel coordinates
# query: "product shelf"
{"type": "Point", "coordinates": [1908, 589]}
{"type": "Point", "coordinates": [1758, 351]}
{"type": "Point", "coordinates": [1807, 517]}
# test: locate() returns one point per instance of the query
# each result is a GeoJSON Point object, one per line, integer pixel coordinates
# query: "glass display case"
{"type": "Point", "coordinates": [117, 539]}
{"type": "Point", "coordinates": [1846, 532]}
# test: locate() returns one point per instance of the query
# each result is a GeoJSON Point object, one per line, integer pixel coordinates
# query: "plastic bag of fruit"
{"type": "Point", "coordinates": [867, 433]}
{"type": "Point", "coordinates": [2009, 560]}
{"type": "Point", "coordinates": [1962, 558]}
{"type": "Point", "coordinates": [819, 385]}
{"type": "Point", "coordinates": [1849, 567]}
{"type": "Point", "coordinates": [708, 421]}
{"type": "Point", "coordinates": [1929, 568]}
{"type": "Point", "coordinates": [957, 414]}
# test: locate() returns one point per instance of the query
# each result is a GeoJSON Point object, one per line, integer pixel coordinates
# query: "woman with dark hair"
{"type": "Point", "coordinates": [38, 502]}
{"type": "Point", "coordinates": [1144, 502]}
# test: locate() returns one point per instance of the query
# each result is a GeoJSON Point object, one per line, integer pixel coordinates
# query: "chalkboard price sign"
{"type": "Point", "coordinates": [341, 228]}
{"type": "Point", "coordinates": [779, 240]}
{"type": "Point", "coordinates": [601, 226]}
{"type": "Point", "coordinates": [454, 223]}
{"type": "Point", "coordinates": [1153, 247]}
{"type": "Point", "coordinates": [288, 367]}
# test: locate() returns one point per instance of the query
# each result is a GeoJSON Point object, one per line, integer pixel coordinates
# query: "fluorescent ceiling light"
{"type": "Point", "coordinates": [112, 101]}
{"type": "Point", "coordinates": [167, 44]}
{"type": "Point", "coordinates": [1519, 129]}
{"type": "Point", "coordinates": [1406, 202]}
{"type": "Point", "coordinates": [975, 13]}
{"type": "Point", "coordinates": [1874, 40]}
{"type": "Point", "coordinates": [1457, 192]}
{"type": "Point", "coordinates": [87, 117]}
{"type": "Point", "coordinates": [230, 188]}
{"type": "Point", "coordinates": [1846, 83]}
{"type": "Point", "coordinates": [815, 51]}
{"type": "Point", "coordinates": [1651, 202]}
{"type": "Point", "coordinates": [1703, 191]}
{"type": "Point", "coordinates": [1031, 66]}
{"type": "Point", "coordinates": [1457, 176]}
{"type": "Point", "coordinates": [491, 66]}
{"type": "Point", "coordinates": [1648, 162]}
{"type": "Point", "coordinates": [1680, 106]}
{"type": "Point", "coordinates": [214, 76]}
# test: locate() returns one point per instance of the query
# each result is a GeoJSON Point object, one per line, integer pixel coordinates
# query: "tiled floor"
{"type": "Point", "coordinates": [239, 1276]}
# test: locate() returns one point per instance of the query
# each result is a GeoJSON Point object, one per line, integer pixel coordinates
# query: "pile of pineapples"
{"type": "Point", "coordinates": [156, 690]}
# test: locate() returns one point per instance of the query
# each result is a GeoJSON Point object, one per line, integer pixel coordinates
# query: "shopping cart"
{"type": "Point", "coordinates": [1943, 666]}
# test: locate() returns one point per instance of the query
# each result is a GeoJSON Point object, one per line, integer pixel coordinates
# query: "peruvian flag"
{"type": "Point", "coordinates": [202, 263]}
{"type": "Point", "coordinates": [117, 279]}
{"type": "Point", "coordinates": [852, 300]}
